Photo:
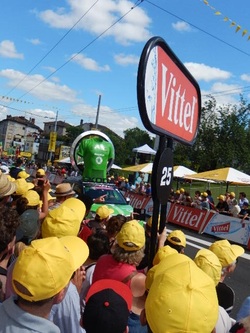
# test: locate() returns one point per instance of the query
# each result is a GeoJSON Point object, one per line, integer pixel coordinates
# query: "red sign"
{"type": "Point", "coordinates": [187, 217]}
{"type": "Point", "coordinates": [168, 96]}
{"type": "Point", "coordinates": [137, 201]}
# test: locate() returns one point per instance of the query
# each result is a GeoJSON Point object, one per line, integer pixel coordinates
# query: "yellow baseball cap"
{"type": "Point", "coordinates": [45, 267]}
{"type": "Point", "coordinates": [232, 194]}
{"type": "Point", "coordinates": [207, 261]}
{"type": "Point", "coordinates": [177, 237]}
{"type": "Point", "coordinates": [226, 252]}
{"type": "Point", "coordinates": [149, 221]}
{"type": "Point", "coordinates": [182, 298]}
{"type": "Point", "coordinates": [161, 254]}
{"type": "Point", "coordinates": [40, 173]}
{"type": "Point", "coordinates": [22, 174]}
{"type": "Point", "coordinates": [32, 197]}
{"type": "Point", "coordinates": [131, 237]}
{"type": "Point", "coordinates": [204, 194]}
{"type": "Point", "coordinates": [64, 220]}
{"type": "Point", "coordinates": [22, 186]}
{"type": "Point", "coordinates": [104, 211]}
{"type": "Point", "coordinates": [221, 197]}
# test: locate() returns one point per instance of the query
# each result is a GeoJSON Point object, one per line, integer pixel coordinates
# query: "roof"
{"type": "Point", "coordinates": [22, 120]}
{"type": "Point", "coordinates": [58, 123]}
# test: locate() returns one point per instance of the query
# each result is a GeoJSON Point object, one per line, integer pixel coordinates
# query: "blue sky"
{"type": "Point", "coordinates": [61, 55]}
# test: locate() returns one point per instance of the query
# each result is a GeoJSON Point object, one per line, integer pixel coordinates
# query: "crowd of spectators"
{"type": "Point", "coordinates": [61, 271]}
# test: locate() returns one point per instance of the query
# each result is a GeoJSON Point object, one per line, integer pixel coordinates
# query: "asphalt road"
{"type": "Point", "coordinates": [239, 280]}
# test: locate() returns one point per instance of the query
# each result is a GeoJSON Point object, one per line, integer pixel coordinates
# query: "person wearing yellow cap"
{"type": "Point", "coordinates": [102, 216]}
{"type": "Point", "coordinates": [121, 266]}
{"type": "Point", "coordinates": [209, 263]}
{"type": "Point", "coordinates": [40, 280]}
{"type": "Point", "coordinates": [222, 205]}
{"type": "Point", "coordinates": [228, 255]}
{"type": "Point", "coordinates": [177, 240]}
{"type": "Point", "coordinates": [181, 298]}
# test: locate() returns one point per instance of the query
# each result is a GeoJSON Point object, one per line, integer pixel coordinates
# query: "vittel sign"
{"type": "Point", "coordinates": [168, 96]}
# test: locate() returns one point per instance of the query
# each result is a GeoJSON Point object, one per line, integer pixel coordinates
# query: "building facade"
{"type": "Point", "coordinates": [19, 133]}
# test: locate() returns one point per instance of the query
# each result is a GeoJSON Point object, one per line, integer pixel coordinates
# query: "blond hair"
{"type": "Point", "coordinates": [128, 257]}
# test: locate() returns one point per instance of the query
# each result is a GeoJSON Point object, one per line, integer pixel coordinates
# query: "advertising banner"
{"type": "Point", "coordinates": [228, 227]}
{"type": "Point", "coordinates": [188, 217]}
{"type": "Point", "coordinates": [52, 142]}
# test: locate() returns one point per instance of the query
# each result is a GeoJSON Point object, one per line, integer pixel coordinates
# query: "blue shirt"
{"type": "Point", "coordinates": [13, 319]}
{"type": "Point", "coordinates": [66, 315]}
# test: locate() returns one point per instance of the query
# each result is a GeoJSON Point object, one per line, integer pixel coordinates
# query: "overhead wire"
{"type": "Point", "coordinates": [81, 50]}
{"type": "Point", "coordinates": [196, 27]}
{"type": "Point", "coordinates": [53, 47]}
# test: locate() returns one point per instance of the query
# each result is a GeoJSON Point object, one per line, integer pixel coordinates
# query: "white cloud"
{"type": "Point", "coordinates": [223, 93]}
{"type": "Point", "coordinates": [134, 27]}
{"type": "Point", "coordinates": [107, 117]}
{"type": "Point", "coordinates": [245, 77]}
{"type": "Point", "coordinates": [89, 63]}
{"type": "Point", "coordinates": [124, 60]}
{"type": "Point", "coordinates": [8, 50]}
{"type": "Point", "coordinates": [206, 73]}
{"type": "Point", "coordinates": [181, 26]}
{"type": "Point", "coordinates": [3, 111]}
{"type": "Point", "coordinates": [34, 41]}
{"type": "Point", "coordinates": [46, 90]}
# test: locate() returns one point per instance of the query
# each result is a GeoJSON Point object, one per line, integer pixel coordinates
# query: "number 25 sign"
{"type": "Point", "coordinates": [164, 176]}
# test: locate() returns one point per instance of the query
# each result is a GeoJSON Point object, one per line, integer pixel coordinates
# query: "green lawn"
{"type": "Point", "coordinates": [216, 189]}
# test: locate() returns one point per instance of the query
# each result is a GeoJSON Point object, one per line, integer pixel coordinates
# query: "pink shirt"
{"type": "Point", "coordinates": [108, 268]}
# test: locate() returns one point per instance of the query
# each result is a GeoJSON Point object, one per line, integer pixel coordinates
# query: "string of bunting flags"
{"type": "Point", "coordinates": [227, 19]}
{"type": "Point", "coordinates": [12, 99]}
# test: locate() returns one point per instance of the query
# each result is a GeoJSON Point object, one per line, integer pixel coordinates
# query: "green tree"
{"type": "Point", "coordinates": [135, 137]}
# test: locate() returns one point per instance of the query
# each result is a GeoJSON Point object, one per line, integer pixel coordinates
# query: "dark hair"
{"type": "Point", "coordinates": [22, 205]}
{"type": "Point", "coordinates": [9, 221]}
{"type": "Point", "coordinates": [98, 244]}
{"type": "Point", "coordinates": [178, 248]}
{"type": "Point", "coordinates": [114, 224]}
{"type": "Point", "coordinates": [209, 192]}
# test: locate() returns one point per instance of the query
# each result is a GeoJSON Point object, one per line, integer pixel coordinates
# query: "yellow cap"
{"type": "Point", "coordinates": [64, 220]}
{"type": "Point", "coordinates": [209, 263]}
{"type": "Point", "coordinates": [177, 237]}
{"type": "Point", "coordinates": [182, 298]}
{"type": "Point", "coordinates": [22, 186]}
{"type": "Point", "coordinates": [104, 212]}
{"type": "Point", "coordinates": [23, 174]}
{"type": "Point", "coordinates": [226, 252]}
{"type": "Point", "coordinates": [45, 267]}
{"type": "Point", "coordinates": [32, 197]}
{"type": "Point", "coordinates": [149, 221]}
{"type": "Point", "coordinates": [131, 237]}
{"type": "Point", "coordinates": [221, 197]}
{"type": "Point", "coordinates": [40, 173]}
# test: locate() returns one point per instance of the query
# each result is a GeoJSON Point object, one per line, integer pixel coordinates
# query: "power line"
{"type": "Point", "coordinates": [19, 110]}
{"type": "Point", "coordinates": [83, 49]}
{"type": "Point", "coordinates": [60, 40]}
{"type": "Point", "coordinates": [200, 29]}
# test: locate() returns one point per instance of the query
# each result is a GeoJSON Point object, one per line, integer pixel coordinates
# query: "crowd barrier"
{"type": "Point", "coordinates": [201, 221]}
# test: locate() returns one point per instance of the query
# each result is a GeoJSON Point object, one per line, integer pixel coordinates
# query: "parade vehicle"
{"type": "Point", "coordinates": [111, 195]}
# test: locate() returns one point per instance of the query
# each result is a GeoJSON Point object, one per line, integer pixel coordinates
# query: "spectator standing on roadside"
{"type": "Point", "coordinates": [242, 199]}
{"type": "Point", "coordinates": [228, 255]}
{"type": "Point", "coordinates": [40, 279]}
{"type": "Point", "coordinates": [121, 266]}
{"type": "Point", "coordinates": [222, 205]}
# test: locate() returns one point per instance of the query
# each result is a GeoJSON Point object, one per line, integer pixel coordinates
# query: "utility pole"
{"type": "Point", "coordinates": [98, 111]}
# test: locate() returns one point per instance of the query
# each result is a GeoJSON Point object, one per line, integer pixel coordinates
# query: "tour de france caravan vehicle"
{"type": "Point", "coordinates": [92, 155]}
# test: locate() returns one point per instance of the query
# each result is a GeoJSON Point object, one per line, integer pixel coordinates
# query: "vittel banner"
{"type": "Point", "coordinates": [168, 96]}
